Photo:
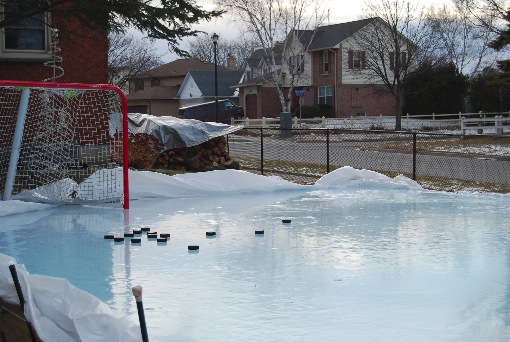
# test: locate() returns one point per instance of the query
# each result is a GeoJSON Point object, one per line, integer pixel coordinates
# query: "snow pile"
{"type": "Point", "coordinates": [146, 184]}
{"type": "Point", "coordinates": [348, 177]}
{"type": "Point", "coordinates": [103, 185]}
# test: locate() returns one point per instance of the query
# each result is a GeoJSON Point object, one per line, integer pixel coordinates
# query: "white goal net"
{"type": "Point", "coordinates": [57, 144]}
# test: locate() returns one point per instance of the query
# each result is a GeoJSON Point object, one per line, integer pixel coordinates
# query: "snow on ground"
{"type": "Point", "coordinates": [147, 184]}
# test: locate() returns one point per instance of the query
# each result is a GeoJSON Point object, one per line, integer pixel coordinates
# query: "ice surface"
{"type": "Point", "coordinates": [365, 258]}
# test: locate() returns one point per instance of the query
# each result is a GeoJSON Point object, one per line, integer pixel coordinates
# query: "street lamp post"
{"type": "Point", "coordinates": [215, 43]}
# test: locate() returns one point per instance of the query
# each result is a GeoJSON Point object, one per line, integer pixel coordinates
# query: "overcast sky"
{"type": "Point", "coordinates": [347, 10]}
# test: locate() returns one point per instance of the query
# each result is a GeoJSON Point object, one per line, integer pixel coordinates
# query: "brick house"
{"type": "Point", "coordinates": [154, 92]}
{"type": "Point", "coordinates": [24, 48]}
{"type": "Point", "coordinates": [328, 66]}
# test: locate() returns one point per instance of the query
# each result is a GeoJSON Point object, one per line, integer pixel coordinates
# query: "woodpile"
{"type": "Point", "coordinates": [208, 156]}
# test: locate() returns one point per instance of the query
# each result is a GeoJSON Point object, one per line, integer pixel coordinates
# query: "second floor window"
{"type": "Point", "coordinates": [402, 63]}
{"type": "Point", "coordinates": [155, 82]}
{"type": "Point", "coordinates": [138, 85]}
{"type": "Point", "coordinates": [325, 61]}
{"type": "Point", "coordinates": [296, 64]}
{"type": "Point", "coordinates": [356, 59]}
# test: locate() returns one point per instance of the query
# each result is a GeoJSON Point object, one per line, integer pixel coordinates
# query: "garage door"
{"type": "Point", "coordinates": [251, 106]}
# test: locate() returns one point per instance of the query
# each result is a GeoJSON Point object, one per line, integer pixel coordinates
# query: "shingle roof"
{"type": "Point", "coordinates": [331, 35]}
{"type": "Point", "coordinates": [179, 67]}
{"type": "Point", "coordinates": [153, 93]}
{"type": "Point", "coordinates": [226, 79]}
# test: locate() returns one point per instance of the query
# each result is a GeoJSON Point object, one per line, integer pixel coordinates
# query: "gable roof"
{"type": "Point", "coordinates": [226, 79]}
{"type": "Point", "coordinates": [328, 36]}
{"type": "Point", "coordinates": [179, 67]}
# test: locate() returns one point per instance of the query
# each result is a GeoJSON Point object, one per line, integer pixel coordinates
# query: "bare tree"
{"type": "Point", "coordinates": [393, 44]}
{"type": "Point", "coordinates": [271, 22]}
{"type": "Point", "coordinates": [129, 56]}
{"type": "Point", "coordinates": [459, 39]}
{"type": "Point", "coordinates": [241, 48]}
{"type": "Point", "coordinates": [488, 13]}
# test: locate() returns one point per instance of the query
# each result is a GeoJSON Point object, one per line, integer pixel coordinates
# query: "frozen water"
{"type": "Point", "coordinates": [365, 258]}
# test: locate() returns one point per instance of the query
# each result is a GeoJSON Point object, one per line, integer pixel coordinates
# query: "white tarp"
{"type": "Point", "coordinates": [171, 131]}
{"type": "Point", "coordinates": [59, 311]}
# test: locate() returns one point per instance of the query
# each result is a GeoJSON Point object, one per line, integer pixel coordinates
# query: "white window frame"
{"type": "Point", "coordinates": [325, 61]}
{"type": "Point", "coordinates": [43, 54]}
{"type": "Point", "coordinates": [328, 93]}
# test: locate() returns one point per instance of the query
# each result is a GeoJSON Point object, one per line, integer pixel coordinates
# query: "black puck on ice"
{"type": "Point", "coordinates": [145, 229]}
{"type": "Point", "coordinates": [285, 221]}
{"type": "Point", "coordinates": [259, 232]}
{"type": "Point", "coordinates": [152, 236]}
{"type": "Point", "coordinates": [137, 231]}
{"type": "Point", "coordinates": [136, 240]}
{"type": "Point", "coordinates": [193, 248]}
{"type": "Point", "coordinates": [108, 236]}
{"type": "Point", "coordinates": [164, 235]}
{"type": "Point", "coordinates": [118, 239]}
{"type": "Point", "coordinates": [164, 239]}
{"type": "Point", "coordinates": [210, 233]}
{"type": "Point", "coordinates": [129, 234]}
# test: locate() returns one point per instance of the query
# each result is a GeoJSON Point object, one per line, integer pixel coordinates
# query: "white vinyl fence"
{"type": "Point", "coordinates": [465, 123]}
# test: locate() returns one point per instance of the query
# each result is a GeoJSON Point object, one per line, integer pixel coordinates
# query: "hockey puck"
{"type": "Point", "coordinates": [193, 248]}
{"type": "Point", "coordinates": [129, 234]}
{"type": "Point", "coordinates": [210, 233]}
{"type": "Point", "coordinates": [162, 240]}
{"type": "Point", "coordinates": [109, 236]}
{"type": "Point", "coordinates": [164, 235]}
{"type": "Point", "coordinates": [118, 239]}
{"type": "Point", "coordinates": [286, 221]}
{"type": "Point", "coordinates": [137, 231]}
{"type": "Point", "coordinates": [136, 240]}
{"type": "Point", "coordinates": [145, 229]}
{"type": "Point", "coordinates": [259, 232]}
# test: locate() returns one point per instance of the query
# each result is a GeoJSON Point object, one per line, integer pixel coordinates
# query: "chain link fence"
{"type": "Point", "coordinates": [449, 162]}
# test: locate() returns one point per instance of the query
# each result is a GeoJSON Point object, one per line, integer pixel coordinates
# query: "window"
{"type": "Point", "coordinates": [325, 96]}
{"type": "Point", "coordinates": [154, 82]}
{"type": "Point", "coordinates": [138, 85]}
{"type": "Point", "coordinates": [402, 62]}
{"type": "Point", "coordinates": [356, 59]}
{"type": "Point", "coordinates": [26, 38]}
{"type": "Point", "coordinates": [325, 61]}
{"type": "Point", "coordinates": [296, 64]}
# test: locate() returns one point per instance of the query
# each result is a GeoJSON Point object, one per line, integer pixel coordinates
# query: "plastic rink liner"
{"type": "Point", "coordinates": [59, 311]}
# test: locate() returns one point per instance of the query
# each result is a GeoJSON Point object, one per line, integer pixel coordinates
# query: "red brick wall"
{"type": "Point", "coordinates": [372, 100]}
{"type": "Point", "coordinates": [269, 103]}
{"type": "Point", "coordinates": [85, 58]}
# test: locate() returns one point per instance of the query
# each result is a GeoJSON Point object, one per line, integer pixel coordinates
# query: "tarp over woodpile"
{"type": "Point", "coordinates": [171, 131]}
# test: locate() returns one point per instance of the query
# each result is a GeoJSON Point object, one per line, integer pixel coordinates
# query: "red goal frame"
{"type": "Point", "coordinates": [81, 86]}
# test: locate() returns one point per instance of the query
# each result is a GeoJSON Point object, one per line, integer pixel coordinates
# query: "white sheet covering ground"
{"type": "Point", "coordinates": [61, 312]}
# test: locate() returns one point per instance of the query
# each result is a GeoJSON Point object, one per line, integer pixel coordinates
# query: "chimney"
{"type": "Point", "coordinates": [231, 63]}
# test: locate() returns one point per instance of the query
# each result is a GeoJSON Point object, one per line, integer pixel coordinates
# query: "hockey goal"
{"type": "Point", "coordinates": [63, 143]}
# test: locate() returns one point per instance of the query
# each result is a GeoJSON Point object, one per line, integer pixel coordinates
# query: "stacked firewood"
{"type": "Point", "coordinates": [208, 156]}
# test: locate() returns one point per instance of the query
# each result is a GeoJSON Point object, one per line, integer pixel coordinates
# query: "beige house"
{"type": "Point", "coordinates": [154, 92]}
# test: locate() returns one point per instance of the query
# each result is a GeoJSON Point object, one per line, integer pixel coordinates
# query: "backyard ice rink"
{"type": "Point", "coordinates": [365, 257]}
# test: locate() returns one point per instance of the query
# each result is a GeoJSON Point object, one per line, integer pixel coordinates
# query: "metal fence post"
{"type": "Point", "coordinates": [261, 151]}
{"type": "Point", "coordinates": [414, 156]}
{"type": "Point", "coordinates": [327, 150]}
